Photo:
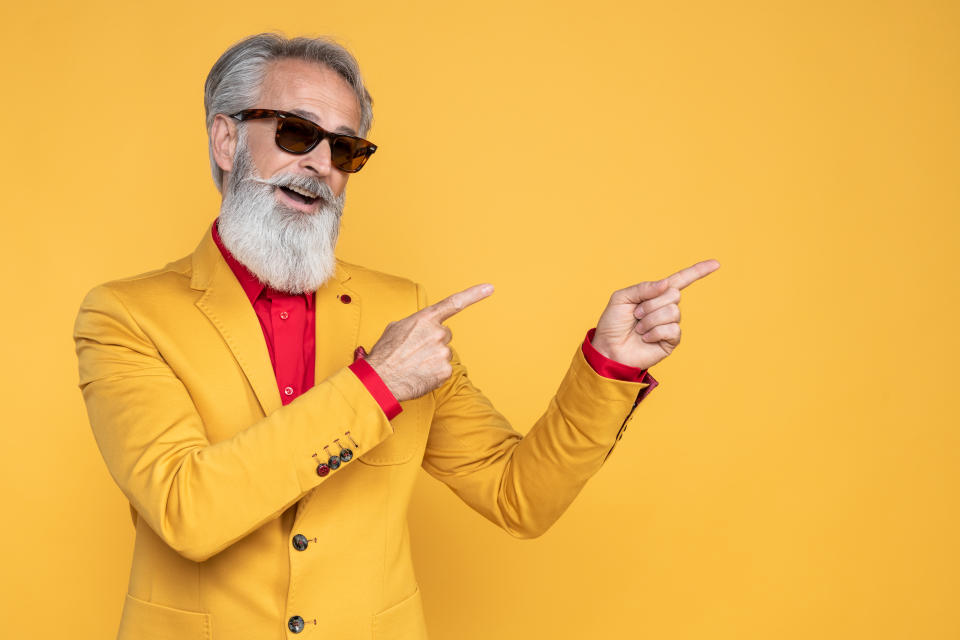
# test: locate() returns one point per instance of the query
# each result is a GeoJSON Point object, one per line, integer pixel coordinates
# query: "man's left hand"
{"type": "Point", "coordinates": [641, 324]}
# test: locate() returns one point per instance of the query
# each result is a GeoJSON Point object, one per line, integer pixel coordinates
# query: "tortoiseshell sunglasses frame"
{"type": "Point", "coordinates": [343, 159]}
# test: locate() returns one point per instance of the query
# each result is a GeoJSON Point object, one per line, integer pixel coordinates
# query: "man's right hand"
{"type": "Point", "coordinates": [411, 356]}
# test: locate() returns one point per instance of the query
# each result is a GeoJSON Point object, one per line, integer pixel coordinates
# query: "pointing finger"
{"type": "Point", "coordinates": [688, 276]}
{"type": "Point", "coordinates": [458, 301]}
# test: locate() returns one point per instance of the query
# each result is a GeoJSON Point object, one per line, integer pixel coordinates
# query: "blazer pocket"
{"type": "Point", "coordinates": [402, 621]}
{"type": "Point", "coordinates": [409, 436]}
{"type": "Point", "coordinates": [143, 620]}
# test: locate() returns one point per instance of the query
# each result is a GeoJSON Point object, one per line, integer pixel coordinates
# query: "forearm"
{"type": "Point", "coordinates": [201, 497]}
{"type": "Point", "coordinates": [523, 484]}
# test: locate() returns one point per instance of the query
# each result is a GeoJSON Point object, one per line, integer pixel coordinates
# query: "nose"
{"type": "Point", "coordinates": [317, 160]}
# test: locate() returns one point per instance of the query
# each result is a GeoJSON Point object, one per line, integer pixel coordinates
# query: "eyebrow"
{"type": "Point", "coordinates": [312, 117]}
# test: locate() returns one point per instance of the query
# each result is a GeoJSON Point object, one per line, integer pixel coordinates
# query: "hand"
{"type": "Point", "coordinates": [641, 324]}
{"type": "Point", "coordinates": [412, 357]}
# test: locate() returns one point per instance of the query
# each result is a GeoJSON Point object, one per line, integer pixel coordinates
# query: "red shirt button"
{"type": "Point", "coordinates": [284, 315]}
{"type": "Point", "coordinates": [288, 391]}
{"type": "Point", "coordinates": [345, 299]}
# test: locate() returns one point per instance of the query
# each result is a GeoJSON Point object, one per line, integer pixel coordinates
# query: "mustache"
{"type": "Point", "coordinates": [306, 183]}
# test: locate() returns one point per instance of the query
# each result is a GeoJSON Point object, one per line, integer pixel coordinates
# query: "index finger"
{"type": "Point", "coordinates": [686, 277]}
{"type": "Point", "coordinates": [458, 301]}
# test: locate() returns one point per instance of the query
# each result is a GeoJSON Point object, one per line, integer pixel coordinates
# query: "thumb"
{"type": "Point", "coordinates": [644, 291]}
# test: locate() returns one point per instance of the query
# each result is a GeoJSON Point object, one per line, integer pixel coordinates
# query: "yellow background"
{"type": "Point", "coordinates": [796, 473]}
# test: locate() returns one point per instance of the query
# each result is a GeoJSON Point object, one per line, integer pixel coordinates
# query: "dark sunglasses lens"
{"type": "Point", "coordinates": [295, 135]}
{"type": "Point", "coordinates": [349, 154]}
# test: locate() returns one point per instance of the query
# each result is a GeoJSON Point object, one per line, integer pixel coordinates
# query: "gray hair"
{"type": "Point", "coordinates": [234, 82]}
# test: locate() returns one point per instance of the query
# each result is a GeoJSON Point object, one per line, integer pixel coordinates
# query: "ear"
{"type": "Point", "coordinates": [223, 141]}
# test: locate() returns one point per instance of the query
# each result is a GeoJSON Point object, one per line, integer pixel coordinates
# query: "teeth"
{"type": "Point", "coordinates": [301, 191]}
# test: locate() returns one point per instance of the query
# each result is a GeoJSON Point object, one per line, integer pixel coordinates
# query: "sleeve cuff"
{"type": "Point", "coordinates": [375, 385]}
{"type": "Point", "coordinates": [608, 368]}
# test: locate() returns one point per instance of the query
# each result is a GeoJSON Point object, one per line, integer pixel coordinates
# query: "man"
{"type": "Point", "coordinates": [267, 458]}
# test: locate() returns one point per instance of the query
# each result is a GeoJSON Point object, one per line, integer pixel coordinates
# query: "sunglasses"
{"type": "Point", "coordinates": [298, 135]}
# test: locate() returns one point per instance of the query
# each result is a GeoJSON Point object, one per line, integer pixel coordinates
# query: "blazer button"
{"type": "Point", "coordinates": [300, 542]}
{"type": "Point", "coordinates": [346, 455]}
{"type": "Point", "coordinates": [295, 624]}
{"type": "Point", "coordinates": [345, 299]}
{"type": "Point", "coordinates": [334, 462]}
{"type": "Point", "coordinates": [322, 470]}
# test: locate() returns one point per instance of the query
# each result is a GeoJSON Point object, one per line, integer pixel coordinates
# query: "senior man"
{"type": "Point", "coordinates": [268, 458]}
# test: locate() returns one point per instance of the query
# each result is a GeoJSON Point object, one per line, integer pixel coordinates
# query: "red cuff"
{"type": "Point", "coordinates": [375, 385]}
{"type": "Point", "coordinates": [608, 368]}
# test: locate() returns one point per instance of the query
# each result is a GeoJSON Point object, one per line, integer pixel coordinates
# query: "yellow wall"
{"type": "Point", "coordinates": [796, 473]}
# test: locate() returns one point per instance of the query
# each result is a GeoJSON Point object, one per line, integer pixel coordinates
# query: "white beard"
{"type": "Point", "coordinates": [286, 249]}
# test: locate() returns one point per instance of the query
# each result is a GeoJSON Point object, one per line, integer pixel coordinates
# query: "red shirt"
{"type": "Point", "coordinates": [289, 322]}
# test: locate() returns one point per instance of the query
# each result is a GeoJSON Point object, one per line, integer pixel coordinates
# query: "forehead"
{"type": "Point", "coordinates": [313, 90]}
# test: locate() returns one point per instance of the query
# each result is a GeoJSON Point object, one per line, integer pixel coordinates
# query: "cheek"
{"type": "Point", "coordinates": [338, 182]}
{"type": "Point", "coordinates": [267, 158]}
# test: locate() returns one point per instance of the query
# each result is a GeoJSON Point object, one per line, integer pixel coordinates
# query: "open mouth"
{"type": "Point", "coordinates": [298, 195]}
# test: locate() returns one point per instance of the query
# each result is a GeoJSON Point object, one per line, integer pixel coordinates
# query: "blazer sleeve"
{"type": "Point", "coordinates": [523, 484]}
{"type": "Point", "coordinates": [197, 496]}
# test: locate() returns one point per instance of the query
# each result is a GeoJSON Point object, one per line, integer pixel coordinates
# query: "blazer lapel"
{"type": "Point", "coordinates": [226, 305]}
{"type": "Point", "coordinates": [337, 326]}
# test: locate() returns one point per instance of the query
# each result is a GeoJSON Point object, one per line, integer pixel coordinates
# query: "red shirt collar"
{"type": "Point", "coordinates": [250, 283]}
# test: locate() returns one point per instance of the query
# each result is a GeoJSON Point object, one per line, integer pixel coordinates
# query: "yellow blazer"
{"type": "Point", "coordinates": [220, 476]}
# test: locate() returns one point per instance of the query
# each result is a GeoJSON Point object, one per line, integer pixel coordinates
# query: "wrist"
{"type": "Point", "coordinates": [378, 387]}
{"type": "Point", "coordinates": [607, 366]}
{"type": "Point", "coordinates": [600, 345]}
